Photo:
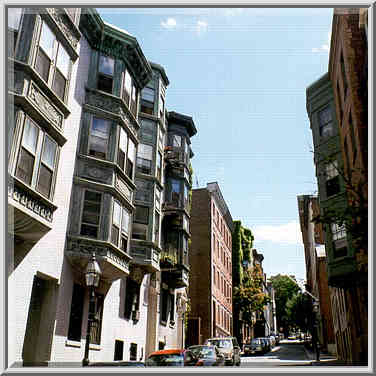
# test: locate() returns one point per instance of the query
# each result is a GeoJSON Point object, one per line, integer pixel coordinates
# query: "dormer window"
{"type": "Point", "coordinates": [105, 73]}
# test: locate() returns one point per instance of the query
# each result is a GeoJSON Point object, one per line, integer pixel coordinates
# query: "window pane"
{"type": "Point", "coordinates": [123, 140]}
{"type": "Point", "coordinates": [148, 131]}
{"type": "Point", "coordinates": [116, 214]}
{"type": "Point", "coordinates": [127, 84]}
{"type": "Point", "coordinates": [131, 150]}
{"type": "Point", "coordinates": [139, 231]}
{"type": "Point", "coordinates": [42, 65]}
{"type": "Point", "coordinates": [25, 166]}
{"type": "Point", "coordinates": [115, 235]}
{"type": "Point", "coordinates": [106, 65]}
{"type": "Point", "coordinates": [63, 61]}
{"type": "Point", "coordinates": [49, 152]}
{"type": "Point", "coordinates": [148, 94]}
{"type": "Point", "coordinates": [125, 221]}
{"type": "Point", "coordinates": [142, 214]}
{"type": "Point", "coordinates": [30, 136]}
{"type": "Point", "coordinates": [176, 141]}
{"type": "Point", "coordinates": [175, 186]}
{"type": "Point", "coordinates": [325, 116]}
{"type": "Point", "coordinates": [105, 83]}
{"type": "Point", "coordinates": [59, 85]}
{"type": "Point", "coordinates": [44, 181]}
{"type": "Point", "coordinates": [14, 17]}
{"type": "Point", "coordinates": [145, 151]}
{"type": "Point", "coordinates": [47, 39]}
{"type": "Point", "coordinates": [144, 165]}
{"type": "Point", "coordinates": [98, 138]}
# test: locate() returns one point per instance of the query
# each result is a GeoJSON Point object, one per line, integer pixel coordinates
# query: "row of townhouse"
{"type": "Point", "coordinates": [337, 106]}
{"type": "Point", "coordinates": [96, 165]}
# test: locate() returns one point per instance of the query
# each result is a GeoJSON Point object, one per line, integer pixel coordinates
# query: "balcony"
{"type": "Point", "coordinates": [113, 262]}
{"type": "Point", "coordinates": [145, 255]}
{"type": "Point", "coordinates": [176, 278]}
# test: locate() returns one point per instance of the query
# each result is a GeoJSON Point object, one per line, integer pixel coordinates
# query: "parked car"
{"type": "Point", "coordinates": [117, 363]}
{"type": "Point", "coordinates": [229, 347]}
{"type": "Point", "coordinates": [255, 347]}
{"type": "Point", "coordinates": [171, 358]}
{"type": "Point", "coordinates": [266, 344]}
{"type": "Point", "coordinates": [207, 355]}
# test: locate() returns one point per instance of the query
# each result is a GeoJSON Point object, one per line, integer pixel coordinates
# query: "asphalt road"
{"type": "Point", "coordinates": [287, 353]}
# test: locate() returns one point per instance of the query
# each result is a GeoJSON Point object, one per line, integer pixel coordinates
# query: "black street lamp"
{"type": "Point", "coordinates": [92, 276]}
{"type": "Point", "coordinates": [315, 338]}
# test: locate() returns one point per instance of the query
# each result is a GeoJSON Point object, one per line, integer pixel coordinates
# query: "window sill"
{"type": "Point", "coordinates": [71, 343]}
{"type": "Point", "coordinates": [93, 346]}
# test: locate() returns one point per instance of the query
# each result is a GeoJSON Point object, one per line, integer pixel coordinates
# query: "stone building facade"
{"type": "Point", "coordinates": [86, 174]}
{"type": "Point", "coordinates": [211, 255]}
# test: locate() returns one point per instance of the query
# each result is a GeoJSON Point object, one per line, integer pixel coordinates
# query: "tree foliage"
{"type": "Point", "coordinates": [284, 289]}
{"type": "Point", "coordinates": [250, 296]}
{"type": "Point", "coordinates": [299, 311]}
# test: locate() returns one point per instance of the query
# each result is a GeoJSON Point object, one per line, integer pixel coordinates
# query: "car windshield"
{"type": "Point", "coordinates": [220, 343]}
{"type": "Point", "coordinates": [203, 351]}
{"type": "Point", "coordinates": [165, 360]}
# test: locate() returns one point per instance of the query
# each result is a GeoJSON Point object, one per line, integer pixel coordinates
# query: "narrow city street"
{"type": "Point", "coordinates": [287, 353]}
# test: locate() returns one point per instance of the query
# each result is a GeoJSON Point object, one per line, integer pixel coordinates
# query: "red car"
{"type": "Point", "coordinates": [171, 358]}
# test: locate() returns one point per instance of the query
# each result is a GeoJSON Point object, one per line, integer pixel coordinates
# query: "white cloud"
{"type": "Point", "coordinates": [325, 47]}
{"type": "Point", "coordinates": [287, 233]}
{"type": "Point", "coordinates": [201, 27]}
{"type": "Point", "coordinates": [169, 24]}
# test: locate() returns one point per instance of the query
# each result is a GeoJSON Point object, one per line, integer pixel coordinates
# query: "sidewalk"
{"type": "Point", "coordinates": [325, 359]}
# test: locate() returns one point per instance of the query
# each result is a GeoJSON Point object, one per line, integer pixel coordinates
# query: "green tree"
{"type": "Point", "coordinates": [250, 296]}
{"type": "Point", "coordinates": [299, 311]}
{"type": "Point", "coordinates": [284, 289]}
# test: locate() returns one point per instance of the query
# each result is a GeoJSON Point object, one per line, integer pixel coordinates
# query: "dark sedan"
{"type": "Point", "coordinates": [207, 355]}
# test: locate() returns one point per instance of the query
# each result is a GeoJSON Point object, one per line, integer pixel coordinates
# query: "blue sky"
{"type": "Point", "coordinates": [242, 75]}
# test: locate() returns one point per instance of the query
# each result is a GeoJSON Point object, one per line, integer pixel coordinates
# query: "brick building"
{"type": "Point", "coordinates": [211, 256]}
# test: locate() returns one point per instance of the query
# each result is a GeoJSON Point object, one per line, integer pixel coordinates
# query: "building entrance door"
{"type": "Point", "coordinates": [40, 322]}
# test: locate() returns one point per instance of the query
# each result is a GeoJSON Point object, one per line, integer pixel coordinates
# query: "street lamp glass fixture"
{"type": "Point", "coordinates": [92, 273]}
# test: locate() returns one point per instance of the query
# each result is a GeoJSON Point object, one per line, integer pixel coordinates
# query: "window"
{"type": "Point", "coordinates": [132, 297]}
{"type": "Point", "coordinates": [130, 93]}
{"type": "Point", "coordinates": [148, 131]}
{"type": "Point", "coordinates": [98, 138]}
{"type": "Point", "coordinates": [176, 141]}
{"type": "Point", "coordinates": [159, 166]}
{"type": "Point", "coordinates": [164, 305]}
{"type": "Point", "coordinates": [140, 227]}
{"type": "Point", "coordinates": [120, 226]}
{"type": "Point", "coordinates": [175, 192]}
{"type": "Point", "coordinates": [156, 228]}
{"type": "Point", "coordinates": [172, 308]}
{"type": "Point", "coordinates": [325, 122]}
{"type": "Point", "coordinates": [106, 68]}
{"type": "Point", "coordinates": [144, 158]}
{"type": "Point", "coordinates": [96, 325]}
{"type": "Point", "coordinates": [147, 99]}
{"type": "Point", "coordinates": [158, 199]}
{"type": "Point", "coordinates": [186, 196]}
{"type": "Point", "coordinates": [52, 62]}
{"type": "Point", "coordinates": [119, 348]}
{"type": "Point", "coordinates": [339, 239]}
{"type": "Point", "coordinates": [133, 351]}
{"type": "Point", "coordinates": [160, 139]}
{"type": "Point", "coordinates": [161, 107]}
{"type": "Point", "coordinates": [76, 312]}
{"type": "Point", "coordinates": [91, 214]}
{"type": "Point", "coordinates": [144, 190]}
{"type": "Point", "coordinates": [122, 151]}
{"type": "Point", "coordinates": [332, 179]}
{"type": "Point", "coordinates": [343, 77]}
{"type": "Point", "coordinates": [14, 21]}
{"type": "Point", "coordinates": [36, 143]}
{"type": "Point", "coordinates": [131, 155]}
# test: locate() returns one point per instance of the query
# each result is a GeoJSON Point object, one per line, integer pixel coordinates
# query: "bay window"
{"type": "Point", "coordinates": [52, 62]}
{"type": "Point", "coordinates": [98, 138]}
{"type": "Point", "coordinates": [36, 164]}
{"type": "Point", "coordinates": [106, 68]}
{"type": "Point", "coordinates": [120, 226]}
{"type": "Point", "coordinates": [144, 190]}
{"type": "Point", "coordinates": [148, 131]}
{"type": "Point", "coordinates": [175, 191]}
{"type": "Point", "coordinates": [144, 158]}
{"type": "Point", "coordinates": [339, 239]}
{"type": "Point", "coordinates": [126, 153]}
{"type": "Point", "coordinates": [131, 156]}
{"type": "Point", "coordinates": [91, 214]}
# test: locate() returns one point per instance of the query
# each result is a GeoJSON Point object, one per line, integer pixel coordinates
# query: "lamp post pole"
{"type": "Point", "coordinates": [316, 329]}
{"type": "Point", "coordinates": [92, 275]}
